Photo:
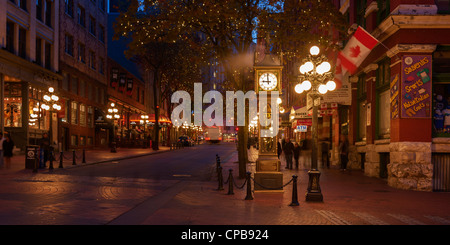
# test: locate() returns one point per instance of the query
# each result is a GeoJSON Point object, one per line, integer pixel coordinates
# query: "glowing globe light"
{"type": "Point", "coordinates": [306, 85]}
{"type": "Point", "coordinates": [314, 50]}
{"type": "Point", "coordinates": [323, 88]}
{"type": "Point", "coordinates": [298, 88]}
{"type": "Point", "coordinates": [51, 89]}
{"type": "Point", "coordinates": [279, 101]}
{"type": "Point", "coordinates": [324, 67]}
{"type": "Point", "coordinates": [308, 66]}
{"type": "Point", "coordinates": [331, 85]}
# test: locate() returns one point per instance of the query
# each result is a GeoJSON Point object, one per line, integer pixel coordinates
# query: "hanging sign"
{"type": "Point", "coordinates": [416, 86]}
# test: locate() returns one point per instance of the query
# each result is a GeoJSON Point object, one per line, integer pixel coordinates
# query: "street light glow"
{"type": "Point", "coordinates": [331, 85]}
{"type": "Point", "coordinates": [324, 67]}
{"type": "Point", "coordinates": [323, 88]}
{"type": "Point", "coordinates": [314, 50]}
{"type": "Point", "coordinates": [306, 85]}
{"type": "Point", "coordinates": [298, 88]}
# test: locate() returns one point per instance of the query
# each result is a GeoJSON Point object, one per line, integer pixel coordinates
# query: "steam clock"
{"type": "Point", "coordinates": [268, 72]}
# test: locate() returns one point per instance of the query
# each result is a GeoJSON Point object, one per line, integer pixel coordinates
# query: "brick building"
{"type": "Point", "coordinates": [398, 122]}
{"type": "Point", "coordinates": [82, 61]}
{"type": "Point", "coordinates": [28, 66]}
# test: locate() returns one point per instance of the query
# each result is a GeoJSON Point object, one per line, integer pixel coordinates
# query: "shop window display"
{"type": "Point", "coordinates": [13, 104]}
{"type": "Point", "coordinates": [441, 108]}
{"type": "Point", "coordinates": [13, 112]}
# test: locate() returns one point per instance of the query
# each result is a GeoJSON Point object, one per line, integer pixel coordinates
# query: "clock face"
{"type": "Point", "coordinates": [268, 81]}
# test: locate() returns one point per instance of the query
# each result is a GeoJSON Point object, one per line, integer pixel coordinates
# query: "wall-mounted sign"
{"type": "Point", "coordinates": [416, 86]}
{"type": "Point", "coordinates": [302, 128]}
{"type": "Point", "coordinates": [395, 96]}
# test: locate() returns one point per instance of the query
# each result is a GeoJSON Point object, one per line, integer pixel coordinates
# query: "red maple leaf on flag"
{"type": "Point", "coordinates": [355, 51]}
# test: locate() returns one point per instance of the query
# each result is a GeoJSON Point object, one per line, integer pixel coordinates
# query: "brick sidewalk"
{"type": "Point", "coordinates": [350, 198]}
{"type": "Point", "coordinates": [91, 157]}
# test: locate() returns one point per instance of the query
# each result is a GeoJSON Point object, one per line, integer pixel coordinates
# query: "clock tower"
{"type": "Point", "coordinates": [268, 69]}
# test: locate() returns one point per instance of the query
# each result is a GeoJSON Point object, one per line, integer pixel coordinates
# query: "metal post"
{"type": "Point", "coordinates": [313, 192]}
{"type": "Point", "coordinates": [230, 183]}
{"type": "Point", "coordinates": [61, 156]}
{"type": "Point", "coordinates": [294, 192]}
{"type": "Point", "coordinates": [220, 178]}
{"type": "Point", "coordinates": [249, 187]}
{"type": "Point", "coordinates": [74, 156]}
{"type": "Point", "coordinates": [84, 156]}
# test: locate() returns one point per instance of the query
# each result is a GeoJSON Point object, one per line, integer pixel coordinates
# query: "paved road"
{"type": "Point", "coordinates": [99, 193]}
{"type": "Point", "coordinates": [180, 188]}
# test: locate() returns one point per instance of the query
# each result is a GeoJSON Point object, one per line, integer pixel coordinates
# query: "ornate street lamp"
{"type": "Point", "coordinates": [144, 120]}
{"type": "Point", "coordinates": [113, 114]}
{"type": "Point", "coordinates": [316, 77]}
{"type": "Point", "coordinates": [51, 104]}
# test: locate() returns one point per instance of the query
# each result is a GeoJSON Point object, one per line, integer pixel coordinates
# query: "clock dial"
{"type": "Point", "coordinates": [268, 81]}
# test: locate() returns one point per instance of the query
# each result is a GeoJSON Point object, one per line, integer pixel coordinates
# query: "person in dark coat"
{"type": "Point", "coordinates": [325, 151]}
{"type": "Point", "coordinates": [288, 150]}
{"type": "Point", "coordinates": [8, 146]}
{"type": "Point", "coordinates": [279, 150]}
{"type": "Point", "coordinates": [343, 152]}
{"type": "Point", "coordinates": [296, 154]}
{"type": "Point", "coordinates": [44, 144]}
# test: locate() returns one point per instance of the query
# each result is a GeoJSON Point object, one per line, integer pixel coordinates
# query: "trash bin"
{"type": "Point", "coordinates": [30, 156]}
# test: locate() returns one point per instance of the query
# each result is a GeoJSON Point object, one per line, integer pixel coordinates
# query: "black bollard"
{"type": "Point", "coordinates": [294, 192]}
{"type": "Point", "coordinates": [230, 183]}
{"type": "Point", "coordinates": [249, 187]}
{"type": "Point", "coordinates": [61, 156]}
{"type": "Point", "coordinates": [84, 156]}
{"type": "Point", "coordinates": [74, 156]}
{"type": "Point", "coordinates": [220, 178]}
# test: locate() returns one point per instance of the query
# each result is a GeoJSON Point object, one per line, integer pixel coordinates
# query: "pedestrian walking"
{"type": "Point", "coordinates": [8, 146]}
{"type": "Point", "coordinates": [296, 154]}
{"type": "Point", "coordinates": [1, 149]}
{"type": "Point", "coordinates": [288, 150]}
{"type": "Point", "coordinates": [343, 152]}
{"type": "Point", "coordinates": [325, 152]}
{"type": "Point", "coordinates": [45, 148]}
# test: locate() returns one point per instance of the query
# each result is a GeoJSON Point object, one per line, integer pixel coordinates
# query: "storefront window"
{"type": "Point", "coordinates": [74, 113]}
{"type": "Point", "coordinates": [38, 117]}
{"type": "Point", "coordinates": [13, 104]}
{"type": "Point", "coordinates": [384, 114]}
{"type": "Point", "coordinates": [441, 92]}
{"type": "Point", "coordinates": [13, 112]}
{"type": "Point", "coordinates": [362, 93]}
{"type": "Point", "coordinates": [383, 103]}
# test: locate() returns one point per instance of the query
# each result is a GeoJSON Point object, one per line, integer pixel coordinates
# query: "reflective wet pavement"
{"type": "Point", "coordinates": [350, 198]}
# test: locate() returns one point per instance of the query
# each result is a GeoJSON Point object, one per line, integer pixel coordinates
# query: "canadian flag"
{"type": "Point", "coordinates": [338, 76]}
{"type": "Point", "coordinates": [356, 50]}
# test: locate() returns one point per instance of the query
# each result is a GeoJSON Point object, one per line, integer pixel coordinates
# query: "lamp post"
{"type": "Point", "coordinates": [144, 120]}
{"type": "Point", "coordinates": [51, 105]}
{"type": "Point", "coordinates": [113, 114]}
{"type": "Point", "coordinates": [316, 77]}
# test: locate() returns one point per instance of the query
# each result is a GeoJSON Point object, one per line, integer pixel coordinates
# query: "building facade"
{"type": "Point", "coordinates": [83, 65]}
{"type": "Point", "coordinates": [398, 121]}
{"type": "Point", "coordinates": [28, 67]}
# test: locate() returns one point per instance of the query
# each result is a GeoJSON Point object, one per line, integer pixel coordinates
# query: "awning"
{"type": "Point", "coordinates": [151, 119]}
{"type": "Point", "coordinates": [162, 118]}
{"type": "Point", "coordinates": [299, 113]}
